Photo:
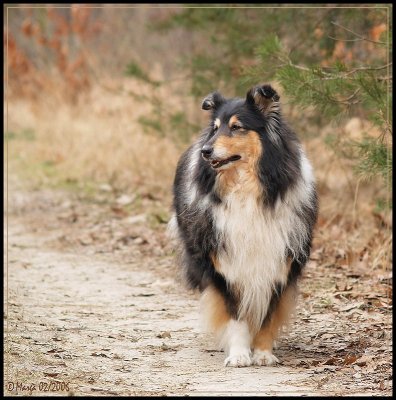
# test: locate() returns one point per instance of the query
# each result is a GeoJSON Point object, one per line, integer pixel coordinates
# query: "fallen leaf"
{"type": "Point", "coordinates": [165, 334]}
{"type": "Point", "coordinates": [55, 351]}
{"type": "Point", "coordinates": [354, 274]}
{"type": "Point", "coordinates": [350, 358]}
{"type": "Point", "coordinates": [98, 389]}
{"type": "Point", "coordinates": [327, 336]}
{"type": "Point", "coordinates": [363, 360]}
{"type": "Point", "coordinates": [332, 361]}
{"type": "Point", "coordinates": [51, 374]}
{"type": "Point", "coordinates": [331, 368]}
{"type": "Point", "coordinates": [97, 354]}
{"type": "Point", "coordinates": [348, 307]}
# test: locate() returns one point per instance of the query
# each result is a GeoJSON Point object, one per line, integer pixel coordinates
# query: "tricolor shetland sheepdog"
{"type": "Point", "coordinates": [245, 206]}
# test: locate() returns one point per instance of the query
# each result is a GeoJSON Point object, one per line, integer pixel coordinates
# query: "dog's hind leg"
{"type": "Point", "coordinates": [263, 342]}
{"type": "Point", "coordinates": [233, 335]}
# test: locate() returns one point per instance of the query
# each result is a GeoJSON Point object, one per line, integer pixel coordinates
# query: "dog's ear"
{"type": "Point", "coordinates": [212, 101]}
{"type": "Point", "coordinates": [264, 98]}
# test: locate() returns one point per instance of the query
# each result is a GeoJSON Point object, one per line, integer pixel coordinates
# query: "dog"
{"type": "Point", "coordinates": [244, 209]}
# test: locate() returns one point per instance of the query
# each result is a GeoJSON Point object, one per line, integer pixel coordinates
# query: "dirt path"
{"type": "Point", "coordinates": [95, 307]}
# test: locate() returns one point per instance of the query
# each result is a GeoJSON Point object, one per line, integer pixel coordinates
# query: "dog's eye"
{"type": "Point", "coordinates": [235, 127]}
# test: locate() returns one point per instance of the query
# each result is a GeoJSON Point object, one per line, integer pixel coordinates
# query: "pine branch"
{"type": "Point", "coordinates": [368, 68]}
{"type": "Point", "coordinates": [348, 100]}
{"type": "Point", "coordinates": [346, 75]}
{"type": "Point", "coordinates": [360, 37]}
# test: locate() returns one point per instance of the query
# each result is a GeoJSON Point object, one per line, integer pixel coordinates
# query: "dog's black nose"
{"type": "Point", "coordinates": [207, 150]}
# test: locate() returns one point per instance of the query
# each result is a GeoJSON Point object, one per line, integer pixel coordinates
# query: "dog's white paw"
{"type": "Point", "coordinates": [264, 357]}
{"type": "Point", "coordinates": [241, 359]}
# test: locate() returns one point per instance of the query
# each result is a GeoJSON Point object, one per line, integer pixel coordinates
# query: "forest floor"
{"type": "Point", "coordinates": [94, 306]}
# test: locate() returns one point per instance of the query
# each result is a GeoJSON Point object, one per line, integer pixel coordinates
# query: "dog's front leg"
{"type": "Point", "coordinates": [233, 335]}
{"type": "Point", "coordinates": [236, 341]}
{"type": "Point", "coordinates": [263, 342]}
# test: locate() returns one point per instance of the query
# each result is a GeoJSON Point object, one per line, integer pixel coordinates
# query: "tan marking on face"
{"type": "Point", "coordinates": [241, 174]}
{"type": "Point", "coordinates": [215, 309]}
{"type": "Point", "coordinates": [234, 121]}
{"type": "Point", "coordinates": [264, 339]}
{"type": "Point", "coordinates": [247, 145]}
{"type": "Point", "coordinates": [217, 122]}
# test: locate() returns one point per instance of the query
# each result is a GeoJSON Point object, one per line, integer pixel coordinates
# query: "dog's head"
{"type": "Point", "coordinates": [234, 133]}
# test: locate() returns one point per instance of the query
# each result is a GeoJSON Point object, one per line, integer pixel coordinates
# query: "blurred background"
{"type": "Point", "coordinates": [108, 97]}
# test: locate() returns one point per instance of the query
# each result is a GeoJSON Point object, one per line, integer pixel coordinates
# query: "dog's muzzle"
{"type": "Point", "coordinates": [207, 154]}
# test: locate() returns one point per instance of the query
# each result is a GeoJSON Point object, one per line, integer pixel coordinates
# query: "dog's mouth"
{"type": "Point", "coordinates": [219, 163]}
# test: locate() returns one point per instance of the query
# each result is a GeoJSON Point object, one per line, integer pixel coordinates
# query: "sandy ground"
{"type": "Point", "coordinates": [94, 306]}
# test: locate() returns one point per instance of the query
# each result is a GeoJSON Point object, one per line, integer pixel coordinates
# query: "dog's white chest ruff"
{"type": "Point", "coordinates": [254, 254]}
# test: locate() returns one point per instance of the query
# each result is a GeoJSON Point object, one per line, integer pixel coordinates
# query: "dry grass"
{"type": "Point", "coordinates": [351, 230]}
{"type": "Point", "coordinates": [99, 140]}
